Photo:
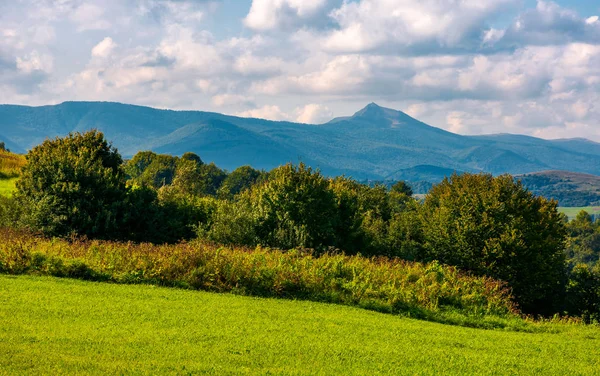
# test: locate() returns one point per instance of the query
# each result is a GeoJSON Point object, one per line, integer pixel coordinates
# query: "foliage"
{"type": "Point", "coordinates": [293, 208]}
{"type": "Point", "coordinates": [583, 293]}
{"type": "Point", "coordinates": [239, 180]}
{"type": "Point", "coordinates": [75, 185]}
{"type": "Point", "coordinates": [387, 285]}
{"type": "Point", "coordinates": [151, 169]}
{"type": "Point", "coordinates": [493, 226]}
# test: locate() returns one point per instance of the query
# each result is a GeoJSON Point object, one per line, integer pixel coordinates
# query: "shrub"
{"type": "Point", "coordinates": [75, 185]}
{"type": "Point", "coordinates": [493, 226]}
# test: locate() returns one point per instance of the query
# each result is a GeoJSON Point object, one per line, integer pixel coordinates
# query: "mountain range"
{"type": "Point", "coordinates": [375, 143]}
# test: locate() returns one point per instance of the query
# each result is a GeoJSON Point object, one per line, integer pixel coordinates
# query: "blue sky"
{"type": "Point", "coordinates": [469, 66]}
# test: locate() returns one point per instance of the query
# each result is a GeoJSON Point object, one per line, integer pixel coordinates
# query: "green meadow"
{"type": "Point", "coordinates": [63, 326]}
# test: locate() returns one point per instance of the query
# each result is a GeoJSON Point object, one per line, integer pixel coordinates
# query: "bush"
{"type": "Point", "coordinates": [293, 208]}
{"type": "Point", "coordinates": [493, 226]}
{"type": "Point", "coordinates": [583, 293]}
{"type": "Point", "coordinates": [71, 185]}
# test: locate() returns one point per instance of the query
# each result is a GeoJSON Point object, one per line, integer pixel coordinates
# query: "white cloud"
{"type": "Point", "coordinates": [35, 62]}
{"type": "Point", "coordinates": [382, 24]}
{"type": "Point", "coordinates": [104, 48]}
{"type": "Point", "coordinates": [592, 20]}
{"type": "Point", "coordinates": [269, 112]}
{"type": "Point", "coordinates": [313, 114]}
{"type": "Point", "coordinates": [90, 17]}
{"type": "Point", "coordinates": [271, 14]}
{"type": "Point", "coordinates": [230, 99]}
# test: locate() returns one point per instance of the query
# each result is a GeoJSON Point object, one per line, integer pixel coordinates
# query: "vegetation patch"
{"type": "Point", "coordinates": [427, 291]}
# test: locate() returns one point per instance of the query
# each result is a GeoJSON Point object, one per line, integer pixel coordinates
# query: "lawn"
{"type": "Point", "coordinates": [63, 326]}
{"type": "Point", "coordinates": [7, 186]}
{"type": "Point", "coordinates": [572, 212]}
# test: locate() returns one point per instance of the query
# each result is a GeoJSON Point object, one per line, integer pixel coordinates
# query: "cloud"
{"type": "Point", "coordinates": [272, 14]}
{"type": "Point", "coordinates": [269, 112]}
{"type": "Point", "coordinates": [410, 25]}
{"type": "Point", "coordinates": [35, 62]}
{"type": "Point", "coordinates": [89, 17]}
{"type": "Point", "coordinates": [313, 114]}
{"type": "Point", "coordinates": [104, 48]}
{"type": "Point", "coordinates": [550, 24]}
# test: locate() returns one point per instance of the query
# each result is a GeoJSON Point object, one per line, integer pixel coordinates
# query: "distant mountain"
{"type": "Point", "coordinates": [570, 189]}
{"type": "Point", "coordinates": [374, 143]}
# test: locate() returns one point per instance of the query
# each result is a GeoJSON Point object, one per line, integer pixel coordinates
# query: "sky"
{"type": "Point", "coordinates": [467, 66]}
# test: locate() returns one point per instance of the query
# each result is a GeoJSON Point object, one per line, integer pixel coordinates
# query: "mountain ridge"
{"type": "Point", "coordinates": [374, 143]}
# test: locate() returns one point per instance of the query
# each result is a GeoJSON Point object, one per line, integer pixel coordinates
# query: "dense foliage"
{"type": "Point", "coordinates": [73, 184]}
{"type": "Point", "coordinates": [492, 226]}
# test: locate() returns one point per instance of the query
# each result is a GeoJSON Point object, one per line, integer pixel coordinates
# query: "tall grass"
{"type": "Point", "coordinates": [428, 291]}
{"type": "Point", "coordinates": [10, 164]}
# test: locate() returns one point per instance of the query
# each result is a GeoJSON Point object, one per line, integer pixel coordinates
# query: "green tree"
{"type": "Point", "coordinates": [293, 208]}
{"type": "Point", "coordinates": [363, 215]}
{"type": "Point", "coordinates": [74, 184]}
{"type": "Point", "coordinates": [151, 169]}
{"type": "Point", "coordinates": [239, 180]}
{"type": "Point", "coordinates": [493, 226]}
{"type": "Point", "coordinates": [402, 188]}
{"type": "Point", "coordinates": [192, 157]}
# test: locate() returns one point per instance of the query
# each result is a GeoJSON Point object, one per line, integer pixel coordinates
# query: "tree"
{"type": "Point", "coordinates": [493, 226]}
{"type": "Point", "coordinates": [293, 208]}
{"type": "Point", "coordinates": [402, 188]}
{"type": "Point", "coordinates": [3, 147]}
{"type": "Point", "coordinates": [74, 184]}
{"type": "Point", "coordinates": [192, 157]}
{"type": "Point", "coordinates": [151, 169]}
{"type": "Point", "coordinates": [239, 180]}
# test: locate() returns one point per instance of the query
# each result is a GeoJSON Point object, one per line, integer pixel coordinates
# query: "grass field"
{"type": "Point", "coordinates": [572, 212]}
{"type": "Point", "coordinates": [7, 186]}
{"type": "Point", "coordinates": [62, 326]}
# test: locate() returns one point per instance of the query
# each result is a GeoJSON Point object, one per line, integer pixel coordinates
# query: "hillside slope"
{"type": "Point", "coordinates": [568, 188]}
{"type": "Point", "coordinates": [54, 326]}
{"type": "Point", "coordinates": [374, 143]}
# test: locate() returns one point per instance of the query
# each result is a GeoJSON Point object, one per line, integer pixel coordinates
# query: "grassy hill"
{"type": "Point", "coordinates": [570, 189]}
{"type": "Point", "coordinates": [61, 326]}
{"type": "Point", "coordinates": [375, 143]}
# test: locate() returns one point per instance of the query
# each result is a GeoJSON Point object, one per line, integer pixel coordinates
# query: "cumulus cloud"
{"type": "Point", "coordinates": [272, 14]}
{"type": "Point", "coordinates": [418, 26]}
{"type": "Point", "coordinates": [269, 112]}
{"type": "Point", "coordinates": [313, 114]}
{"type": "Point", "coordinates": [104, 48]}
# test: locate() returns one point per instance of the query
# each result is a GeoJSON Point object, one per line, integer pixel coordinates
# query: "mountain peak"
{"type": "Point", "coordinates": [372, 110]}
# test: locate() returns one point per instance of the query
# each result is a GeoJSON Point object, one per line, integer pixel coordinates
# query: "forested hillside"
{"type": "Point", "coordinates": [375, 143]}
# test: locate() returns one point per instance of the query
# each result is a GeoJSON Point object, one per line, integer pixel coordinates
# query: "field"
{"type": "Point", "coordinates": [63, 326]}
{"type": "Point", "coordinates": [572, 212]}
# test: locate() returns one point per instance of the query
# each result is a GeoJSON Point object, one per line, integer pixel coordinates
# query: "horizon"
{"type": "Point", "coordinates": [312, 124]}
{"type": "Point", "coordinates": [506, 66]}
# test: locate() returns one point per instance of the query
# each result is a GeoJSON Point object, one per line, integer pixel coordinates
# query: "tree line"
{"type": "Point", "coordinates": [80, 185]}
